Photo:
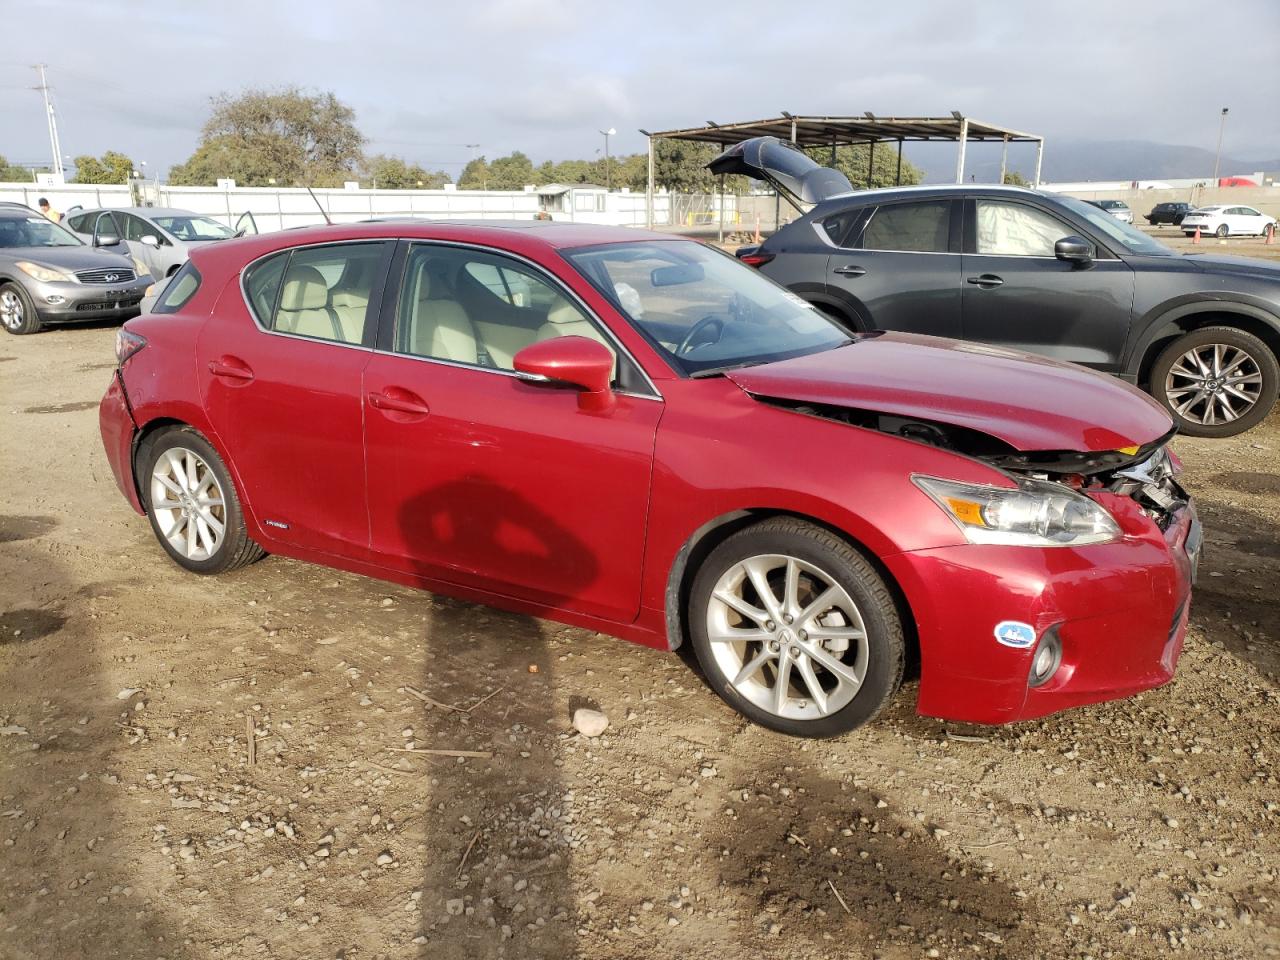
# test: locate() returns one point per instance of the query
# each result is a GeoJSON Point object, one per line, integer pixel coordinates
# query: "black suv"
{"type": "Point", "coordinates": [1032, 271]}
{"type": "Point", "coordinates": [1168, 213]}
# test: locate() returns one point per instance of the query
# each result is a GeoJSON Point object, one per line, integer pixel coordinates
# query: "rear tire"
{"type": "Point", "coordinates": [1244, 385]}
{"type": "Point", "coordinates": [192, 503]}
{"type": "Point", "coordinates": [1222, 231]}
{"type": "Point", "coordinates": [820, 654]}
{"type": "Point", "coordinates": [17, 313]}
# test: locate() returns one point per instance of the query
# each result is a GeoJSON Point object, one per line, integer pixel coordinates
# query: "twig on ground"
{"type": "Point", "coordinates": [799, 840]}
{"type": "Point", "coordinates": [966, 738]}
{"type": "Point", "coordinates": [435, 703]}
{"type": "Point", "coordinates": [838, 897]}
{"type": "Point", "coordinates": [994, 843]}
{"type": "Point", "coordinates": [480, 754]}
{"type": "Point", "coordinates": [253, 740]}
{"type": "Point", "coordinates": [466, 853]}
{"type": "Point", "coordinates": [384, 769]}
{"type": "Point", "coordinates": [485, 699]}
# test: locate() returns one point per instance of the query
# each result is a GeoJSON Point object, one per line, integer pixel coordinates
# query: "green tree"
{"type": "Point", "coordinates": [510, 172]}
{"type": "Point", "coordinates": [852, 161]}
{"type": "Point", "coordinates": [475, 175]}
{"type": "Point", "coordinates": [393, 173]}
{"type": "Point", "coordinates": [286, 135]}
{"type": "Point", "coordinates": [12, 173]}
{"type": "Point", "coordinates": [113, 167]}
{"type": "Point", "coordinates": [1014, 178]}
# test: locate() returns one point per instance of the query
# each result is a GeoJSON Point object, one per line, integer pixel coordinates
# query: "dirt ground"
{"type": "Point", "coordinates": [132, 824]}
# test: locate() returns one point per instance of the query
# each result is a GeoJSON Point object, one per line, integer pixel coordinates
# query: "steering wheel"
{"type": "Point", "coordinates": [691, 338]}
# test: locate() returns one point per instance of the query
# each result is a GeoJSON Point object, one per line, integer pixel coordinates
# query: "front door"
{"type": "Point", "coordinates": [284, 393]}
{"type": "Point", "coordinates": [1017, 294]}
{"type": "Point", "coordinates": [902, 270]}
{"type": "Point", "coordinates": [483, 479]}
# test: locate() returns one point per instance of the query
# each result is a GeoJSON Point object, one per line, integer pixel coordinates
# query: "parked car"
{"type": "Point", "coordinates": [662, 444]}
{"type": "Point", "coordinates": [1226, 220]}
{"type": "Point", "coordinates": [1168, 213]}
{"type": "Point", "coordinates": [1117, 208]}
{"type": "Point", "coordinates": [48, 275]}
{"type": "Point", "coordinates": [1033, 271]}
{"type": "Point", "coordinates": [161, 238]}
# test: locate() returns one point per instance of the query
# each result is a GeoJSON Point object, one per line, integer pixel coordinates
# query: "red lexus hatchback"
{"type": "Point", "coordinates": [637, 434]}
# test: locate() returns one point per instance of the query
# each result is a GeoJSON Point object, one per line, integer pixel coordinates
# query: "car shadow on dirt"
{"type": "Point", "coordinates": [67, 885]}
{"type": "Point", "coordinates": [499, 833]}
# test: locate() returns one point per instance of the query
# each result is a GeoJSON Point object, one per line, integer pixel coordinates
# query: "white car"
{"type": "Point", "coordinates": [1222, 220]}
{"type": "Point", "coordinates": [1117, 208]}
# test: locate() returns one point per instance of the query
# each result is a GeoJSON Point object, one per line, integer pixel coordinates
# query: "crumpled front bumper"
{"type": "Point", "coordinates": [1119, 610]}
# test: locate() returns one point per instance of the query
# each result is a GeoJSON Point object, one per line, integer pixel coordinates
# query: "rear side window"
{"type": "Point", "coordinates": [180, 290]}
{"type": "Point", "coordinates": [324, 293]}
{"type": "Point", "coordinates": [914, 227]}
{"type": "Point", "coordinates": [262, 284]}
{"type": "Point", "coordinates": [840, 227]}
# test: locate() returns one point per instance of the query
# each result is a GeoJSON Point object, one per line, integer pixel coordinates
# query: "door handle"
{"type": "Point", "coordinates": [986, 281]}
{"type": "Point", "coordinates": [402, 401]}
{"type": "Point", "coordinates": [230, 367]}
{"type": "Point", "coordinates": [850, 270]}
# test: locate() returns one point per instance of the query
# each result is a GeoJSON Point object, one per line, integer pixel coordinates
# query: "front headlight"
{"type": "Point", "coordinates": [140, 268]}
{"type": "Point", "coordinates": [1036, 513]}
{"type": "Point", "coordinates": [46, 274]}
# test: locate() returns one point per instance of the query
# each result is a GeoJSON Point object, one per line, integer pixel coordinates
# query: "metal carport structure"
{"type": "Point", "coordinates": [836, 132]}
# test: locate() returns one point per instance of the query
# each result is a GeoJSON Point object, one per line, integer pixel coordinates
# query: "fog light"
{"type": "Point", "coordinates": [1046, 660]}
{"type": "Point", "coordinates": [54, 298]}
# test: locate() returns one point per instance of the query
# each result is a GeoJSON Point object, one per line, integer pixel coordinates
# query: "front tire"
{"type": "Point", "coordinates": [1216, 381]}
{"type": "Point", "coordinates": [796, 630]}
{"type": "Point", "coordinates": [192, 503]}
{"type": "Point", "coordinates": [17, 313]}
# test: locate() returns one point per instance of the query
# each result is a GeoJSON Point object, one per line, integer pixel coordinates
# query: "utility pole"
{"type": "Point", "coordinates": [53, 122]}
{"type": "Point", "coordinates": [608, 173]}
{"type": "Point", "coordinates": [1217, 157]}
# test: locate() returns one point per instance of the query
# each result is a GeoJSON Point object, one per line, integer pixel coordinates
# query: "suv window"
{"type": "Point", "coordinates": [1017, 230]}
{"type": "Point", "coordinates": [79, 223]}
{"type": "Point", "coordinates": [478, 308]}
{"type": "Point", "coordinates": [181, 289]}
{"type": "Point", "coordinates": [921, 227]}
{"type": "Point", "coordinates": [135, 228]}
{"type": "Point", "coordinates": [319, 292]}
{"type": "Point", "coordinates": [839, 227]}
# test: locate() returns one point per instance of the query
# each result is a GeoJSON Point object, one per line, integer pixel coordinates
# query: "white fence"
{"type": "Point", "coordinates": [276, 208]}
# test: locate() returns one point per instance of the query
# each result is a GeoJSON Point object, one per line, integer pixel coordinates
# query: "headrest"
{"type": "Point", "coordinates": [305, 289]}
{"type": "Point", "coordinates": [424, 283]}
{"type": "Point", "coordinates": [564, 312]}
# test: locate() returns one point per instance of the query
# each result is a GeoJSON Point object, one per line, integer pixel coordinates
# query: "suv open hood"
{"type": "Point", "coordinates": [1031, 403]}
{"type": "Point", "coordinates": [789, 170]}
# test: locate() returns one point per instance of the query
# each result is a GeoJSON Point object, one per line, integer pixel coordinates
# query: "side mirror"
{"type": "Point", "coordinates": [150, 240]}
{"type": "Point", "coordinates": [105, 240]}
{"type": "Point", "coordinates": [577, 361]}
{"type": "Point", "coordinates": [1074, 250]}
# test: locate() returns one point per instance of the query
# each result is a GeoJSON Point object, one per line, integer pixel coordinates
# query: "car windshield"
{"type": "Point", "coordinates": [1131, 238]}
{"type": "Point", "coordinates": [34, 232]}
{"type": "Point", "coordinates": [194, 228]}
{"type": "Point", "coordinates": [703, 309]}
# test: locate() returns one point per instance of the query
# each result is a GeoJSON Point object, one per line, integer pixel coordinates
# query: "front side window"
{"type": "Point", "coordinates": [702, 309]}
{"type": "Point", "coordinates": [1017, 230]}
{"type": "Point", "coordinates": [916, 227]}
{"type": "Point", "coordinates": [319, 292]}
{"type": "Point", "coordinates": [474, 307]}
{"type": "Point", "coordinates": [135, 228]}
{"type": "Point", "coordinates": [195, 228]}
{"type": "Point", "coordinates": [34, 231]}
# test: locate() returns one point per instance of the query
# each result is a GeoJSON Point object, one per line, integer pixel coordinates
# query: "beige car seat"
{"type": "Point", "coordinates": [304, 307]}
{"type": "Point", "coordinates": [441, 328]}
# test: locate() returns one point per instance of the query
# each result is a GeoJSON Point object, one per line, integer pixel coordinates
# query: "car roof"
{"type": "Point", "coordinates": [880, 194]}
{"type": "Point", "coordinates": [144, 212]}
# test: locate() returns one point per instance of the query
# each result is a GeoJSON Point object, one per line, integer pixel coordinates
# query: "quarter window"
{"type": "Point", "coordinates": [318, 292]}
{"type": "Point", "coordinates": [1017, 230]}
{"type": "Point", "coordinates": [913, 227]}
{"type": "Point", "coordinates": [180, 290]}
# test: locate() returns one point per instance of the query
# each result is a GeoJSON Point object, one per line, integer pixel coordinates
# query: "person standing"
{"type": "Point", "coordinates": [48, 211]}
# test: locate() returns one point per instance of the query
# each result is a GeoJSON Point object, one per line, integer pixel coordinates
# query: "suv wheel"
{"type": "Point", "coordinates": [795, 629]}
{"type": "Point", "coordinates": [17, 312]}
{"type": "Point", "coordinates": [1216, 381]}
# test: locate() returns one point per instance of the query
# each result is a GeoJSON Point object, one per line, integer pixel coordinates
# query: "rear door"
{"type": "Point", "coordinates": [281, 382]}
{"type": "Point", "coordinates": [1016, 293]}
{"type": "Point", "coordinates": [899, 268]}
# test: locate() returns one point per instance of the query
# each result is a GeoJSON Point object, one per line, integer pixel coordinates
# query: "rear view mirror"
{"type": "Point", "coordinates": [676, 274]}
{"type": "Point", "coordinates": [577, 361]}
{"type": "Point", "coordinates": [1073, 249]}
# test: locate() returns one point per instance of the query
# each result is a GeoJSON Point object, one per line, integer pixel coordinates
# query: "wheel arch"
{"type": "Point", "coordinates": [711, 534]}
{"type": "Point", "coordinates": [1192, 317]}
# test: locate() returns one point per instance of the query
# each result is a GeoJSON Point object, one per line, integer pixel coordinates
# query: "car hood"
{"type": "Point", "coordinates": [1031, 403]}
{"type": "Point", "coordinates": [788, 169]}
{"type": "Point", "coordinates": [1212, 263]}
{"type": "Point", "coordinates": [71, 258]}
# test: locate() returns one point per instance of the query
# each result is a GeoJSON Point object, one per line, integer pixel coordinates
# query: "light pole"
{"type": "Point", "coordinates": [608, 174]}
{"type": "Point", "coordinates": [1217, 157]}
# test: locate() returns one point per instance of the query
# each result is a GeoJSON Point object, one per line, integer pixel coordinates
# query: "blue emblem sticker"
{"type": "Point", "coordinates": [1014, 633]}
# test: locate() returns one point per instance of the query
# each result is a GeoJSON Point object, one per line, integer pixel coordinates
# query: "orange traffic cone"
{"type": "Point", "coordinates": [756, 237]}
{"type": "Point", "coordinates": [1196, 238]}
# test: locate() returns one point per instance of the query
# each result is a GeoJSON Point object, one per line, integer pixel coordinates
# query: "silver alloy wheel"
{"type": "Point", "coordinates": [787, 637]}
{"type": "Point", "coordinates": [10, 309]}
{"type": "Point", "coordinates": [187, 503]}
{"type": "Point", "coordinates": [1214, 383]}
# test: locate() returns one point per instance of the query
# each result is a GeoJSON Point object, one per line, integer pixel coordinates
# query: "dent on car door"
{"type": "Point", "coordinates": [900, 267]}
{"type": "Point", "coordinates": [1017, 293]}
{"type": "Point", "coordinates": [483, 479]}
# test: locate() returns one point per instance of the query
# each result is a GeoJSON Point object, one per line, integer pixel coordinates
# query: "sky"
{"type": "Point", "coordinates": [427, 79]}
